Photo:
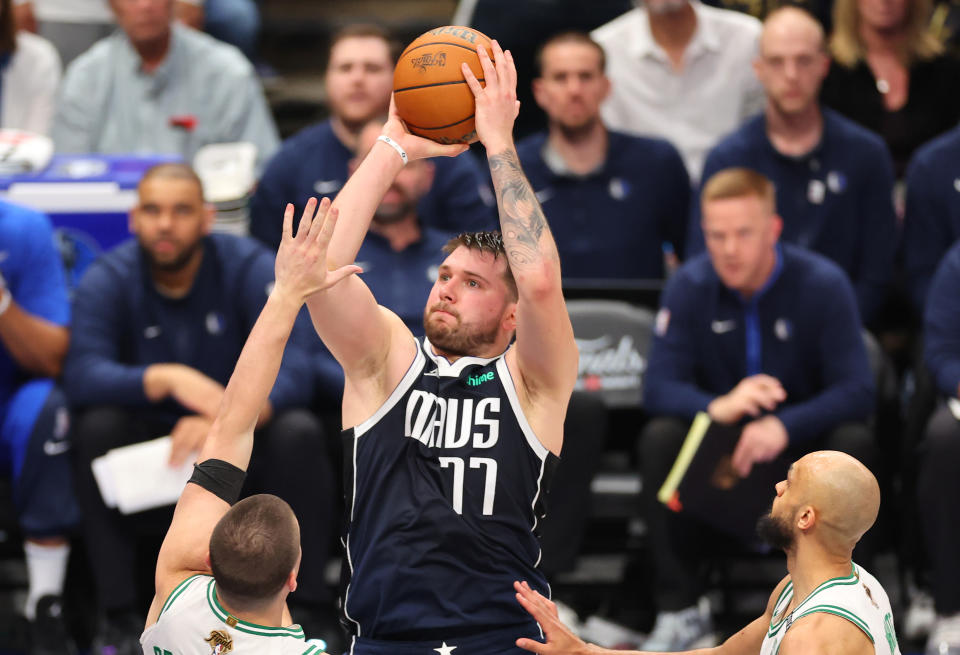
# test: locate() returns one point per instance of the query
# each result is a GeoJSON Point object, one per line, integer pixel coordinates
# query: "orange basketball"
{"type": "Point", "coordinates": [432, 96]}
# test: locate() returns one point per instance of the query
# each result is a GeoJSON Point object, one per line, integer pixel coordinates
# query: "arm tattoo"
{"type": "Point", "coordinates": [521, 219]}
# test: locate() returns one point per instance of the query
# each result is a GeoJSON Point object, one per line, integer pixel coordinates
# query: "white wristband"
{"type": "Point", "coordinates": [396, 146]}
{"type": "Point", "coordinates": [5, 300]}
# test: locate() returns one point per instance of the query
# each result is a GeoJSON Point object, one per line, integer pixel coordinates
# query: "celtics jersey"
{"type": "Point", "coordinates": [444, 488]}
{"type": "Point", "coordinates": [192, 622]}
{"type": "Point", "coordinates": [858, 598]}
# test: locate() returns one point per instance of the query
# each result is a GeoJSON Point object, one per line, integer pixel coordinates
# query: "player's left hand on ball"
{"type": "Point", "coordinates": [560, 639]}
{"type": "Point", "coordinates": [497, 104]}
{"type": "Point", "coordinates": [417, 147]}
{"type": "Point", "coordinates": [301, 266]}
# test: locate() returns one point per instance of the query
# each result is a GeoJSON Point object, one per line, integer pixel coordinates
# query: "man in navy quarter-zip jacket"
{"type": "Point", "coordinates": [159, 323]}
{"type": "Point", "coordinates": [761, 336]}
{"type": "Point", "coordinates": [834, 179]}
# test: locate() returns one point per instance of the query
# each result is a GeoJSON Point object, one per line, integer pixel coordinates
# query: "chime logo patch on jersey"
{"type": "Point", "coordinates": [220, 642]}
{"type": "Point", "coordinates": [477, 380]}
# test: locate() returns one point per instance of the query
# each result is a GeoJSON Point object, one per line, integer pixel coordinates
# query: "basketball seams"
{"type": "Point", "coordinates": [425, 86]}
{"type": "Point", "coordinates": [439, 127]}
{"type": "Point", "coordinates": [435, 43]}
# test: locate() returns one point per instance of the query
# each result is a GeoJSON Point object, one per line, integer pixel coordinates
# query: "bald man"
{"type": "Point", "coordinates": [825, 605]}
{"type": "Point", "coordinates": [834, 179]}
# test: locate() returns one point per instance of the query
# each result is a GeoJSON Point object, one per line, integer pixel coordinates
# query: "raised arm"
{"type": "Point", "coordinates": [301, 271]}
{"type": "Point", "coordinates": [545, 349]}
{"type": "Point", "coordinates": [358, 332]}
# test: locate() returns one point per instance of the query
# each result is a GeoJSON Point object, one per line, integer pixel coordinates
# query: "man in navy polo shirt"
{"type": "Point", "coordinates": [159, 323]}
{"type": "Point", "coordinates": [617, 204]}
{"type": "Point", "coordinates": [932, 220]}
{"type": "Point", "coordinates": [761, 336]}
{"type": "Point", "coordinates": [834, 179]}
{"type": "Point", "coordinates": [938, 488]}
{"type": "Point", "coordinates": [314, 162]}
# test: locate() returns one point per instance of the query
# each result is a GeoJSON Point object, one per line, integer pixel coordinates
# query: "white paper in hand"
{"type": "Point", "coordinates": [137, 477]}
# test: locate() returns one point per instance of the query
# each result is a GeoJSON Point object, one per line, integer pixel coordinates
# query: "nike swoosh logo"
{"type": "Point", "coordinates": [543, 195]}
{"type": "Point", "coordinates": [53, 448]}
{"type": "Point", "coordinates": [434, 373]}
{"type": "Point", "coordinates": [722, 327]}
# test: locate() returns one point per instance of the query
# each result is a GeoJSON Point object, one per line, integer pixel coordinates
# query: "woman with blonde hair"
{"type": "Point", "coordinates": [891, 74]}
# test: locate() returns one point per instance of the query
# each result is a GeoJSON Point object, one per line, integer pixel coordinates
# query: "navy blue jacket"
{"type": "Point", "coordinates": [614, 223]}
{"type": "Point", "coordinates": [932, 221]}
{"type": "Point", "coordinates": [314, 162]}
{"type": "Point", "coordinates": [802, 329]}
{"type": "Point", "coordinates": [837, 200]}
{"type": "Point", "coordinates": [941, 324]}
{"type": "Point", "coordinates": [121, 325]}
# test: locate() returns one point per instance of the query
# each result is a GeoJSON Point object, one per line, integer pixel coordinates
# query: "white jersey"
{"type": "Point", "coordinates": [858, 598]}
{"type": "Point", "coordinates": [192, 622]}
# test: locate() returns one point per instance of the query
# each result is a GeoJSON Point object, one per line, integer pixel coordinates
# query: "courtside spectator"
{"type": "Point", "coordinates": [156, 86]}
{"type": "Point", "coordinates": [34, 312]}
{"type": "Point", "coordinates": [931, 223]}
{"type": "Point", "coordinates": [890, 73]}
{"type": "Point", "coordinates": [614, 201]}
{"type": "Point", "coordinates": [938, 489]}
{"type": "Point", "coordinates": [834, 179]}
{"type": "Point", "coordinates": [315, 162]}
{"type": "Point", "coordinates": [762, 336]}
{"type": "Point", "coordinates": [30, 70]}
{"type": "Point", "coordinates": [681, 70]}
{"type": "Point", "coordinates": [159, 323]}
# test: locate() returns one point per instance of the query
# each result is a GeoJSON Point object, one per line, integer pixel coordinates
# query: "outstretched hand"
{"type": "Point", "coordinates": [497, 104]}
{"type": "Point", "coordinates": [560, 639]}
{"type": "Point", "coordinates": [301, 267]}
{"type": "Point", "coordinates": [417, 147]}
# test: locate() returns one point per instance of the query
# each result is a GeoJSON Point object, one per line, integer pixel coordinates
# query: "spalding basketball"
{"type": "Point", "coordinates": [432, 96]}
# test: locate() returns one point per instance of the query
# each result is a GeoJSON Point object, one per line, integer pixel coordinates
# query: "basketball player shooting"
{"type": "Point", "coordinates": [252, 549]}
{"type": "Point", "coordinates": [826, 604]}
{"type": "Point", "coordinates": [450, 439]}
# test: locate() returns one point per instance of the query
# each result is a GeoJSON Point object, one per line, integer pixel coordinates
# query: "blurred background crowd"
{"type": "Point", "coordinates": [124, 302]}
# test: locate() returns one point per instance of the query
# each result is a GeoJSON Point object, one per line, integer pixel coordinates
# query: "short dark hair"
{"type": "Point", "coordinates": [173, 171]}
{"type": "Point", "coordinates": [8, 28]}
{"type": "Point", "coordinates": [570, 36]}
{"type": "Point", "coordinates": [367, 30]}
{"type": "Point", "coordinates": [487, 241]}
{"type": "Point", "coordinates": [253, 549]}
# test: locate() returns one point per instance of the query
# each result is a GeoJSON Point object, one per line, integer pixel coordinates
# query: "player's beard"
{"type": "Point", "coordinates": [457, 339]}
{"type": "Point", "coordinates": [775, 531]}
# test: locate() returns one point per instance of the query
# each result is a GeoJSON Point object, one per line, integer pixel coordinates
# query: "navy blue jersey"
{"type": "Point", "coordinates": [444, 488]}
